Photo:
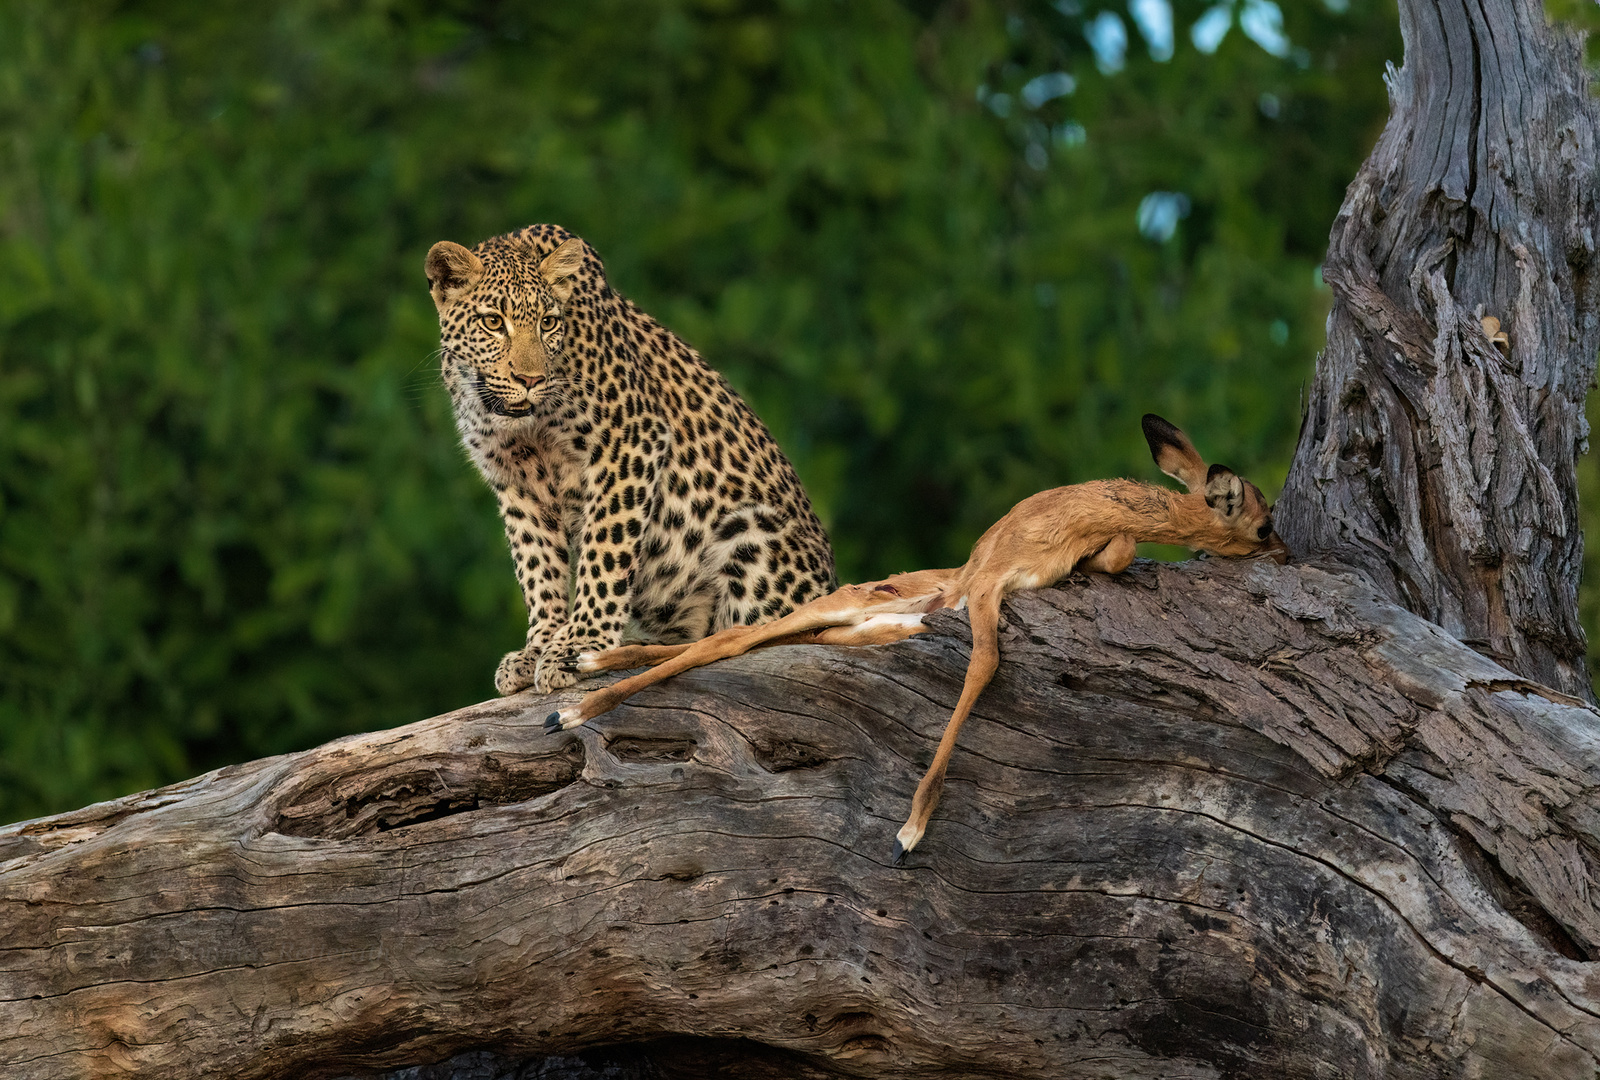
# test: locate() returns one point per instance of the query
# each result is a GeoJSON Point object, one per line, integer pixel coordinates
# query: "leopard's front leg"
{"type": "Point", "coordinates": [619, 496]}
{"type": "Point", "coordinates": [539, 548]}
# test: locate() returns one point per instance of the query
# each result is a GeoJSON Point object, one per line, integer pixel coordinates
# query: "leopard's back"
{"type": "Point", "coordinates": [730, 504]}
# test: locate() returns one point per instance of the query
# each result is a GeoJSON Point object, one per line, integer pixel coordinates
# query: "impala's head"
{"type": "Point", "coordinates": [503, 317]}
{"type": "Point", "coordinates": [1242, 517]}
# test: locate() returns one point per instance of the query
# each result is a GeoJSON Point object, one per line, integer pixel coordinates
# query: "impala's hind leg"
{"type": "Point", "coordinates": [621, 658]}
{"type": "Point", "coordinates": [875, 613]}
{"type": "Point", "coordinates": [874, 630]}
{"type": "Point", "coordinates": [730, 642]}
{"type": "Point", "coordinates": [800, 625]}
{"type": "Point", "coordinates": [883, 629]}
{"type": "Point", "coordinates": [985, 617]}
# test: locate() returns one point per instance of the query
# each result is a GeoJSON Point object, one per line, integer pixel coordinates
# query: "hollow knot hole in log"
{"type": "Point", "coordinates": [393, 795]}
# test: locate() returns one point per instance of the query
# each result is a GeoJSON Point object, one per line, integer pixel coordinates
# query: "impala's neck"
{"type": "Point", "coordinates": [1174, 518]}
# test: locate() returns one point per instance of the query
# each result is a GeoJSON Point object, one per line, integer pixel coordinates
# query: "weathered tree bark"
{"type": "Point", "coordinates": [1214, 819]}
{"type": "Point", "coordinates": [1211, 820]}
{"type": "Point", "coordinates": [1443, 468]}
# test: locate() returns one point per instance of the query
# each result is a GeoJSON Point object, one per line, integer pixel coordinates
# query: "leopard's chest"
{"type": "Point", "coordinates": [535, 460]}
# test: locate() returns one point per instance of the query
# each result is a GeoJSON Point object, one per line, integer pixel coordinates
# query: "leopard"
{"type": "Point", "coordinates": [643, 500]}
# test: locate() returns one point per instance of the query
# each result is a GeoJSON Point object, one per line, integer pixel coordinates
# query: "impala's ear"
{"type": "Point", "coordinates": [1224, 491]}
{"type": "Point", "coordinates": [452, 270]}
{"type": "Point", "coordinates": [1175, 455]}
{"type": "Point", "coordinates": [561, 266]}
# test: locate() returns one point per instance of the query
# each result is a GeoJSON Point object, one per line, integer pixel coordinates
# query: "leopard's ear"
{"type": "Point", "coordinates": [452, 271]}
{"type": "Point", "coordinates": [561, 266]}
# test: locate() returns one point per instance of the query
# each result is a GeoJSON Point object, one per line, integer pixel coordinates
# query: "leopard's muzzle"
{"type": "Point", "coordinates": [496, 404]}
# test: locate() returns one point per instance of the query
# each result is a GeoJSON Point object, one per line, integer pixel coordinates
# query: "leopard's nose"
{"type": "Point", "coordinates": [530, 381]}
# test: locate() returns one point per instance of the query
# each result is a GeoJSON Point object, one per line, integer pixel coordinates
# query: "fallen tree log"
{"type": "Point", "coordinates": [1212, 819]}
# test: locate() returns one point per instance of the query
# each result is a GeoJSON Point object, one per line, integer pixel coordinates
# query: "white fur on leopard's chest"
{"type": "Point", "coordinates": [526, 454]}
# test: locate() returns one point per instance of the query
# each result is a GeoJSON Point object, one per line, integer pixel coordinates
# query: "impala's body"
{"type": "Point", "coordinates": [1093, 526]}
{"type": "Point", "coordinates": [1047, 535]}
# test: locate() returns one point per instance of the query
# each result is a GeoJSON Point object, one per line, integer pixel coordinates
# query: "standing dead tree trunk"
{"type": "Point", "coordinates": [1212, 820]}
{"type": "Point", "coordinates": [1440, 464]}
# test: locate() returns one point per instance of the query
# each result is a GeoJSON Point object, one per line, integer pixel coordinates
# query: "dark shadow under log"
{"type": "Point", "coordinates": [1212, 819]}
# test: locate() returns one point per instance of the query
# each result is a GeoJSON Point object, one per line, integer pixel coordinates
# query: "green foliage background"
{"type": "Point", "coordinates": [233, 517]}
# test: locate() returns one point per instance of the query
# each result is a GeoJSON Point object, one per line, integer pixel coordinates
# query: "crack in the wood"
{"type": "Point", "coordinates": [1532, 689]}
{"type": "Point", "coordinates": [71, 1051]}
{"type": "Point", "coordinates": [390, 797]}
{"type": "Point", "coordinates": [222, 970]}
{"type": "Point", "coordinates": [1473, 124]}
{"type": "Point", "coordinates": [1470, 971]}
{"type": "Point", "coordinates": [1542, 924]}
{"type": "Point", "coordinates": [101, 823]}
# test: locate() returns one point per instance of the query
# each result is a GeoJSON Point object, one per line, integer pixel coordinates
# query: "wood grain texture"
{"type": "Point", "coordinates": [1443, 468]}
{"type": "Point", "coordinates": [1213, 819]}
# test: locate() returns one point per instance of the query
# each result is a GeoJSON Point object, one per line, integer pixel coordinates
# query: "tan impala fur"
{"type": "Point", "coordinates": [1092, 526]}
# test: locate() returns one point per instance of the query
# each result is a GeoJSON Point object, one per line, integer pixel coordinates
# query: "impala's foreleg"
{"type": "Point", "coordinates": [1113, 558]}
{"type": "Point", "coordinates": [985, 621]}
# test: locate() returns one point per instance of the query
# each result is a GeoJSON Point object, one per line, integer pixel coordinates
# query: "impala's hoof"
{"type": "Point", "coordinates": [904, 841]}
{"type": "Point", "coordinates": [561, 721]}
{"type": "Point", "coordinates": [569, 663]}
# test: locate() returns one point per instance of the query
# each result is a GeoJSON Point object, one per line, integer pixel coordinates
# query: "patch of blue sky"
{"type": "Point", "coordinates": [1108, 37]}
{"type": "Point", "coordinates": [1262, 23]}
{"type": "Point", "coordinates": [1159, 214]}
{"type": "Point", "coordinates": [1040, 89]}
{"type": "Point", "coordinates": [1209, 29]}
{"type": "Point", "coordinates": [1154, 20]}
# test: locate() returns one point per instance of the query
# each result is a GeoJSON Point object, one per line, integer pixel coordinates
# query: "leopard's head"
{"type": "Point", "coordinates": [502, 320]}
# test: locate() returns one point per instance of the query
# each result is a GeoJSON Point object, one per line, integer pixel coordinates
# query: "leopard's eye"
{"type": "Point", "coordinates": [548, 323]}
{"type": "Point", "coordinates": [493, 323]}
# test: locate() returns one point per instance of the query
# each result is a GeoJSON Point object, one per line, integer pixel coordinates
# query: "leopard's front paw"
{"type": "Point", "coordinates": [549, 675]}
{"type": "Point", "coordinates": [538, 670]}
{"type": "Point", "coordinates": [517, 671]}
{"type": "Point", "coordinates": [560, 662]}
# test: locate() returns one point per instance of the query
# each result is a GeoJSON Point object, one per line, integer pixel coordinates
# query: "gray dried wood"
{"type": "Point", "coordinates": [1214, 819]}
{"type": "Point", "coordinates": [1440, 465]}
